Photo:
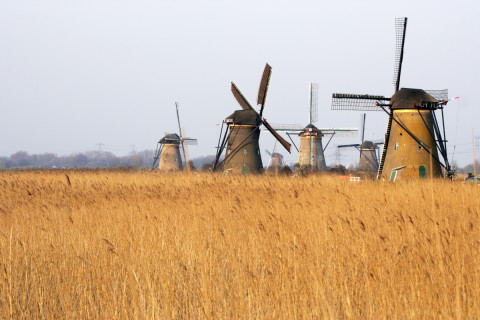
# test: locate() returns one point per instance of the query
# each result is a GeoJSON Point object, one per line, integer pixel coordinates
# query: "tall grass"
{"type": "Point", "coordinates": [104, 245]}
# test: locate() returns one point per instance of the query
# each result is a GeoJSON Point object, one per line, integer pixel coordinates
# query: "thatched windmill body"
{"type": "Point", "coordinates": [311, 152]}
{"type": "Point", "coordinates": [242, 133]}
{"type": "Point", "coordinates": [167, 155]}
{"type": "Point", "coordinates": [414, 134]}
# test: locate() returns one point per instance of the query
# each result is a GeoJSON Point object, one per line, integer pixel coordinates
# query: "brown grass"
{"type": "Point", "coordinates": [87, 245]}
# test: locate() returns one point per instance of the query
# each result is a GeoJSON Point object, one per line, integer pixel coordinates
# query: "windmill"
{"type": "Point", "coordinates": [413, 132]}
{"type": "Point", "coordinates": [311, 152]}
{"type": "Point", "coordinates": [242, 133]}
{"type": "Point", "coordinates": [276, 159]}
{"type": "Point", "coordinates": [167, 155]}
{"type": "Point", "coordinates": [368, 150]}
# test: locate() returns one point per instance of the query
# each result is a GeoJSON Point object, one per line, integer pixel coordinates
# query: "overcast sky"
{"type": "Point", "coordinates": [74, 74]}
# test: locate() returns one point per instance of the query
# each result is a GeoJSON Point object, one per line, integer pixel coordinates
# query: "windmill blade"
{"type": "Point", "coordinates": [282, 141]}
{"type": "Point", "coordinates": [313, 103]}
{"type": "Point", "coordinates": [356, 145]}
{"type": "Point", "coordinates": [440, 95]}
{"type": "Point", "coordinates": [362, 124]}
{"type": "Point", "coordinates": [178, 120]}
{"type": "Point", "coordinates": [180, 132]}
{"type": "Point", "coordinates": [268, 152]}
{"type": "Point", "coordinates": [359, 102]}
{"type": "Point", "coordinates": [262, 90]}
{"type": "Point", "coordinates": [190, 141]}
{"type": "Point", "coordinates": [185, 151]}
{"type": "Point", "coordinates": [400, 31]}
{"type": "Point", "coordinates": [171, 140]}
{"type": "Point", "coordinates": [339, 132]}
{"type": "Point", "coordinates": [275, 146]}
{"type": "Point", "coordinates": [288, 127]}
{"type": "Point", "coordinates": [240, 97]}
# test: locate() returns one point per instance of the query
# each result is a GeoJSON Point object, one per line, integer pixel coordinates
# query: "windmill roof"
{"type": "Point", "coordinates": [310, 128]}
{"type": "Point", "coordinates": [245, 117]}
{"type": "Point", "coordinates": [171, 138]}
{"type": "Point", "coordinates": [368, 145]}
{"type": "Point", "coordinates": [407, 98]}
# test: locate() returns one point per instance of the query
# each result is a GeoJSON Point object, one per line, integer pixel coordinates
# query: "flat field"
{"type": "Point", "coordinates": [128, 245]}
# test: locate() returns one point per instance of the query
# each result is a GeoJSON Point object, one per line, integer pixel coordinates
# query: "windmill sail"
{"type": "Point", "coordinates": [240, 97]}
{"type": "Point", "coordinates": [359, 102]}
{"type": "Point", "coordinates": [440, 95]}
{"type": "Point", "coordinates": [313, 111]}
{"type": "Point", "coordinates": [262, 90]}
{"type": "Point", "coordinates": [401, 29]}
{"type": "Point", "coordinates": [282, 141]}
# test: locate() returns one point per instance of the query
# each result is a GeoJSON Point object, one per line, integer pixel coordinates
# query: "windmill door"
{"type": "Point", "coordinates": [422, 172]}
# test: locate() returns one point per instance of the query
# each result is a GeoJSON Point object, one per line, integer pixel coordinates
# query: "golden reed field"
{"type": "Point", "coordinates": [145, 245]}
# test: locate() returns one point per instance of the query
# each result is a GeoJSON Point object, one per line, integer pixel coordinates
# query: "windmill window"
{"type": "Point", "coordinates": [396, 145]}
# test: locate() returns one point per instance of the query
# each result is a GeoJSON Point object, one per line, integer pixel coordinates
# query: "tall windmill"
{"type": "Point", "coordinates": [311, 152]}
{"type": "Point", "coordinates": [368, 150]}
{"type": "Point", "coordinates": [413, 132]}
{"type": "Point", "coordinates": [167, 155]}
{"type": "Point", "coordinates": [242, 133]}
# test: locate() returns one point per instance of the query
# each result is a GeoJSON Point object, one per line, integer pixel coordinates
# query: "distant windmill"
{"type": "Point", "coordinates": [167, 155]}
{"type": "Point", "coordinates": [311, 152]}
{"type": "Point", "coordinates": [242, 133]}
{"type": "Point", "coordinates": [413, 132]}
{"type": "Point", "coordinates": [368, 150]}
{"type": "Point", "coordinates": [276, 159]}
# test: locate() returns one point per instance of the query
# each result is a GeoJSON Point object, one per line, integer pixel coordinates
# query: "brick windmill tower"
{"type": "Point", "coordinates": [311, 152]}
{"type": "Point", "coordinates": [414, 137]}
{"type": "Point", "coordinates": [167, 156]}
{"type": "Point", "coordinates": [368, 151]}
{"type": "Point", "coordinates": [240, 138]}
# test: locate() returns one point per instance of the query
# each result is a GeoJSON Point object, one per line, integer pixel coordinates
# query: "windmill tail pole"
{"type": "Point", "coordinates": [221, 147]}
{"type": "Point", "coordinates": [156, 156]}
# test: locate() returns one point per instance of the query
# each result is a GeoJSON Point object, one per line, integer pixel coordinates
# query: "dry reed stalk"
{"type": "Point", "coordinates": [151, 245]}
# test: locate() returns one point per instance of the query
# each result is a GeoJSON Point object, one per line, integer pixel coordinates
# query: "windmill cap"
{"type": "Point", "coordinates": [171, 138]}
{"type": "Point", "coordinates": [244, 117]}
{"type": "Point", "coordinates": [368, 145]}
{"type": "Point", "coordinates": [311, 129]}
{"type": "Point", "coordinates": [406, 98]}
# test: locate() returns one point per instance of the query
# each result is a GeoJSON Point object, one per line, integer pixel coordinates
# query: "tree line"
{"type": "Point", "coordinates": [105, 159]}
{"type": "Point", "coordinates": [89, 159]}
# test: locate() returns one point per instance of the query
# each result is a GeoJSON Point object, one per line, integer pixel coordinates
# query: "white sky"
{"type": "Point", "coordinates": [77, 73]}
